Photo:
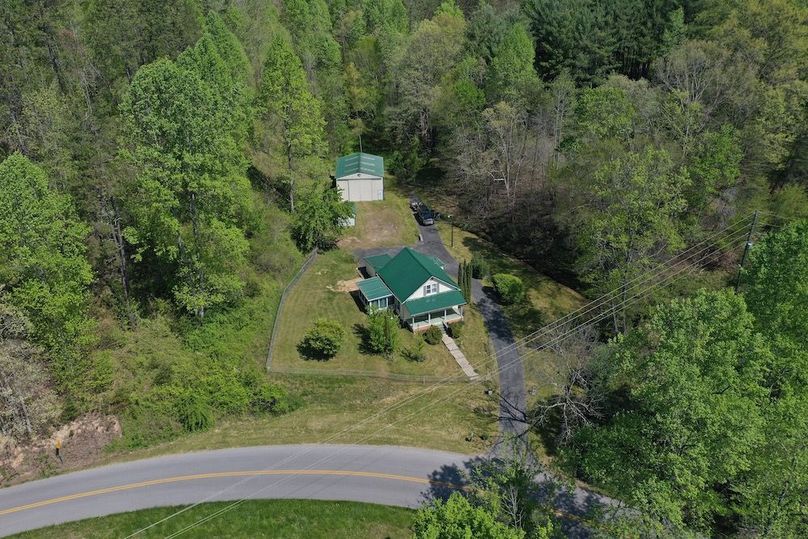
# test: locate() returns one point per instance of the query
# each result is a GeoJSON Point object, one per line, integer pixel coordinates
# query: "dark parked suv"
{"type": "Point", "coordinates": [425, 216]}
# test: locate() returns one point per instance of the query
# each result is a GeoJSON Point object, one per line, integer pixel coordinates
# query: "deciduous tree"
{"type": "Point", "coordinates": [290, 109]}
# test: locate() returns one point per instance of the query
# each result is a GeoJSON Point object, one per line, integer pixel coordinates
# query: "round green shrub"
{"type": "Point", "coordinates": [456, 330]}
{"type": "Point", "coordinates": [433, 335]}
{"type": "Point", "coordinates": [510, 288]}
{"type": "Point", "coordinates": [323, 340]}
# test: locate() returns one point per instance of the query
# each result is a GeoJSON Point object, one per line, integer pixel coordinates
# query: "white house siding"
{"type": "Point", "coordinates": [419, 293]}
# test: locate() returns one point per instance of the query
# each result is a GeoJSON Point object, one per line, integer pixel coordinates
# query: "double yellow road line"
{"type": "Point", "coordinates": [210, 475]}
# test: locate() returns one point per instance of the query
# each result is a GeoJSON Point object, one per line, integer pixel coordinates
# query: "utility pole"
{"type": "Point", "coordinates": [746, 251]}
{"type": "Point", "coordinates": [451, 222]}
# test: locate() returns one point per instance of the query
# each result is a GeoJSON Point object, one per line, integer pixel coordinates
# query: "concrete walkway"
{"type": "Point", "coordinates": [460, 357]}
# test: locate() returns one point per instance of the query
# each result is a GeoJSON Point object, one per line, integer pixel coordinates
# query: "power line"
{"type": "Point", "coordinates": [532, 351]}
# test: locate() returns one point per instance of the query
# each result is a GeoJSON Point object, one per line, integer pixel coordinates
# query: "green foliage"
{"type": "Point", "coordinates": [431, 51]}
{"type": "Point", "coordinates": [604, 112]}
{"type": "Point", "coordinates": [44, 270]}
{"type": "Point", "coordinates": [479, 266]}
{"type": "Point", "coordinates": [122, 35]}
{"type": "Point", "coordinates": [775, 288]}
{"type": "Point", "coordinates": [511, 74]}
{"type": "Point", "coordinates": [689, 387]}
{"type": "Point", "coordinates": [464, 280]}
{"type": "Point", "coordinates": [191, 189]}
{"type": "Point", "coordinates": [383, 327]}
{"type": "Point", "coordinates": [194, 412]}
{"type": "Point", "coordinates": [323, 340]}
{"type": "Point", "coordinates": [508, 488]}
{"type": "Point", "coordinates": [590, 38]}
{"type": "Point", "coordinates": [165, 389]}
{"type": "Point", "coordinates": [634, 203]}
{"type": "Point", "coordinates": [416, 352]}
{"type": "Point", "coordinates": [458, 519]}
{"type": "Point", "coordinates": [456, 329]}
{"type": "Point", "coordinates": [715, 166]}
{"type": "Point", "coordinates": [510, 288]}
{"type": "Point", "coordinates": [319, 218]}
{"type": "Point", "coordinates": [293, 115]}
{"type": "Point", "coordinates": [433, 335]}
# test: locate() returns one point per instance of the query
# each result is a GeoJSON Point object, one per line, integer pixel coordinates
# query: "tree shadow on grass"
{"type": "Point", "coordinates": [362, 331]}
{"type": "Point", "coordinates": [524, 317]}
{"type": "Point", "coordinates": [309, 354]}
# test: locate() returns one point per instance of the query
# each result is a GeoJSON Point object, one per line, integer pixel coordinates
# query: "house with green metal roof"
{"type": "Point", "coordinates": [415, 286]}
{"type": "Point", "coordinates": [360, 177]}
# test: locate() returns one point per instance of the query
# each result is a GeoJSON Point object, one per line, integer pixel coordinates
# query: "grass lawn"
{"type": "Point", "coordinates": [287, 519]}
{"type": "Point", "coordinates": [321, 293]}
{"type": "Point", "coordinates": [345, 409]}
{"type": "Point", "coordinates": [546, 299]}
{"type": "Point", "coordinates": [382, 223]}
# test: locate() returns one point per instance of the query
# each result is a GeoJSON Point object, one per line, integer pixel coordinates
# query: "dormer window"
{"type": "Point", "coordinates": [430, 288]}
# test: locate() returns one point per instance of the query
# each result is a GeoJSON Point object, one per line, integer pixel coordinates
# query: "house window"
{"type": "Point", "coordinates": [431, 288]}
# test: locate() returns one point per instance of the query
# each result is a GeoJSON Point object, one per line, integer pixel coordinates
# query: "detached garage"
{"type": "Point", "coordinates": [360, 177]}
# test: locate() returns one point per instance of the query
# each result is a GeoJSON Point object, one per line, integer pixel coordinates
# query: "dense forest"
{"type": "Point", "coordinates": [164, 166]}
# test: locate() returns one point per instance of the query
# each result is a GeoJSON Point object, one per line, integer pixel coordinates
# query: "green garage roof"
{"type": "Point", "coordinates": [410, 269]}
{"type": "Point", "coordinates": [434, 302]}
{"type": "Point", "coordinates": [374, 288]}
{"type": "Point", "coordinates": [358, 162]}
{"type": "Point", "coordinates": [377, 262]}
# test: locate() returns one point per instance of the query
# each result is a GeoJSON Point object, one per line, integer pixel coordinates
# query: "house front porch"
{"type": "Point", "coordinates": [435, 318]}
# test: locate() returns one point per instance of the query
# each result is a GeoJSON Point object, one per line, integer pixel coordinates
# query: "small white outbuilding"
{"type": "Point", "coordinates": [360, 177]}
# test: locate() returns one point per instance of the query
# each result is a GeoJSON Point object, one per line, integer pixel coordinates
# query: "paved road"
{"type": "Point", "coordinates": [388, 475]}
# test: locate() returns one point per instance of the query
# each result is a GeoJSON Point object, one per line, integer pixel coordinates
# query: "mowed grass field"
{"type": "Point", "coordinates": [282, 519]}
{"type": "Point", "coordinates": [322, 292]}
{"type": "Point", "coordinates": [382, 223]}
